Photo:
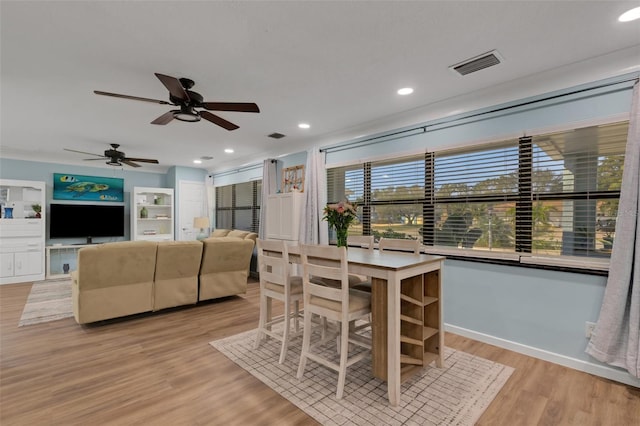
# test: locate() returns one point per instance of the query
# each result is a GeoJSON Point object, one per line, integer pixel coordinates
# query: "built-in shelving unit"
{"type": "Point", "coordinates": [152, 214]}
{"type": "Point", "coordinates": [22, 235]}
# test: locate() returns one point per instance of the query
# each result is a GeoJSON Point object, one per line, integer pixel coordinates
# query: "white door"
{"type": "Point", "coordinates": [191, 199]}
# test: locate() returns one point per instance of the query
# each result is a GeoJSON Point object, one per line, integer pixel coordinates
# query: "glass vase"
{"type": "Point", "coordinates": [341, 235]}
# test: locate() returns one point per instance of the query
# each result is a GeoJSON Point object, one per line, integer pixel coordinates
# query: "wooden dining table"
{"type": "Point", "coordinates": [406, 308]}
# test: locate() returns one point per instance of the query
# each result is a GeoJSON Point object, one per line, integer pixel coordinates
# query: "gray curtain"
{"type": "Point", "coordinates": [616, 338]}
{"type": "Point", "coordinates": [269, 186]}
{"type": "Point", "coordinates": [312, 229]}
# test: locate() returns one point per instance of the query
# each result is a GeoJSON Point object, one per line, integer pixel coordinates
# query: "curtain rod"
{"type": "Point", "coordinates": [238, 170]}
{"type": "Point", "coordinates": [376, 139]}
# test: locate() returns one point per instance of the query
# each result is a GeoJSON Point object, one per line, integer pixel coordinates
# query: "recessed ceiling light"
{"type": "Point", "coordinates": [405, 91]}
{"type": "Point", "coordinates": [228, 151]}
{"type": "Point", "coordinates": [630, 15]}
{"type": "Point", "coordinates": [304, 125]}
{"type": "Point", "coordinates": [197, 161]}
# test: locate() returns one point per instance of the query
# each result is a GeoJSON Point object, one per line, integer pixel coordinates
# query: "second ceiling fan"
{"type": "Point", "coordinates": [181, 96]}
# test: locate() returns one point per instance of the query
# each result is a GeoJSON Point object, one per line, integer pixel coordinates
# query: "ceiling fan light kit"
{"type": "Point", "coordinates": [186, 115]}
{"type": "Point", "coordinates": [188, 101]}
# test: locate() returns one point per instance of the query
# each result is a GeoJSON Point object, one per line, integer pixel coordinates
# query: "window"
{"type": "Point", "coordinates": [549, 195]}
{"type": "Point", "coordinates": [475, 194]}
{"type": "Point", "coordinates": [238, 206]}
{"type": "Point", "coordinates": [576, 194]}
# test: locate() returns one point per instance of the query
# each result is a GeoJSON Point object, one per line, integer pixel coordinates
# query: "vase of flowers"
{"type": "Point", "coordinates": [340, 216]}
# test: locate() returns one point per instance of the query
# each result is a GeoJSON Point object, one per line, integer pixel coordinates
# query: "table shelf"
{"type": "Point", "coordinates": [420, 328]}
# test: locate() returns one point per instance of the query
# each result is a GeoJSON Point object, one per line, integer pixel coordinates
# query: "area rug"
{"type": "Point", "coordinates": [455, 395]}
{"type": "Point", "coordinates": [49, 300]}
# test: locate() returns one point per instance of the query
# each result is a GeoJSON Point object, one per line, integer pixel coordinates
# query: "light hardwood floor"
{"type": "Point", "coordinates": [158, 369]}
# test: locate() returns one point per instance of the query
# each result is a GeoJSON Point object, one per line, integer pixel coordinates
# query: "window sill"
{"type": "Point", "coordinates": [564, 264]}
{"type": "Point", "coordinates": [569, 262]}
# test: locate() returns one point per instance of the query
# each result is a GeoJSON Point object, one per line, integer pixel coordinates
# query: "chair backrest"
{"type": "Point", "coordinates": [396, 244]}
{"type": "Point", "coordinates": [273, 262]}
{"type": "Point", "coordinates": [325, 262]}
{"type": "Point", "coordinates": [362, 241]}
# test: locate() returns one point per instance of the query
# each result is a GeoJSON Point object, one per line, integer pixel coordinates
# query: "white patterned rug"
{"type": "Point", "coordinates": [49, 300]}
{"type": "Point", "coordinates": [455, 395]}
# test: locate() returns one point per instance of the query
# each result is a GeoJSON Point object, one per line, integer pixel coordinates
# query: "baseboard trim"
{"type": "Point", "coordinates": [576, 364]}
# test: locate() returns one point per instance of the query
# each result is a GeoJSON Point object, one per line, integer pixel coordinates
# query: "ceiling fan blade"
{"type": "Point", "coordinates": [141, 160]}
{"type": "Point", "coordinates": [135, 98]}
{"type": "Point", "coordinates": [83, 152]}
{"type": "Point", "coordinates": [129, 163]}
{"type": "Point", "coordinates": [231, 106]}
{"type": "Point", "coordinates": [218, 120]}
{"type": "Point", "coordinates": [164, 118]}
{"type": "Point", "coordinates": [174, 86]}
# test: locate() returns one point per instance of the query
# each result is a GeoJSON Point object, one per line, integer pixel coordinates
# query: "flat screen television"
{"type": "Point", "coordinates": [85, 221]}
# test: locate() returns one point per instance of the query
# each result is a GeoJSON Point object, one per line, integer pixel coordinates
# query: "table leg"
{"type": "Point", "coordinates": [393, 339]}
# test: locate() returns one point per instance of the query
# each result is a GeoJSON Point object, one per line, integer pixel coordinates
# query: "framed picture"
{"type": "Point", "coordinates": [87, 188]}
{"type": "Point", "coordinates": [293, 179]}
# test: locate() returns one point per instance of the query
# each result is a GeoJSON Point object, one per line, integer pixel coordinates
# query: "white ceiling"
{"type": "Point", "coordinates": [336, 65]}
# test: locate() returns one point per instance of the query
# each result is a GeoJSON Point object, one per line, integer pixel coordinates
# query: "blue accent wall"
{"type": "Point", "coordinates": [440, 134]}
{"type": "Point", "coordinates": [534, 307]}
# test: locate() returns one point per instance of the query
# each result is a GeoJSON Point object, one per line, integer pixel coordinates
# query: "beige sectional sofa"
{"type": "Point", "coordinates": [129, 277]}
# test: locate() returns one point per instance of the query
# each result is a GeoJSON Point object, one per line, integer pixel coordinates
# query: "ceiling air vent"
{"type": "Point", "coordinates": [276, 135]}
{"type": "Point", "coordinates": [477, 63]}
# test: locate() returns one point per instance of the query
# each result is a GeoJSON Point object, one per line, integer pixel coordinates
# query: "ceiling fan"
{"type": "Point", "coordinates": [181, 96]}
{"type": "Point", "coordinates": [115, 157]}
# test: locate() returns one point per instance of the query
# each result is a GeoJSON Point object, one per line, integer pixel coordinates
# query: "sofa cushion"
{"type": "Point", "coordinates": [176, 279]}
{"type": "Point", "coordinates": [224, 267]}
{"type": "Point", "coordinates": [220, 232]}
{"type": "Point", "coordinates": [236, 233]}
{"type": "Point", "coordinates": [117, 263]}
{"type": "Point", "coordinates": [252, 236]}
{"type": "Point", "coordinates": [113, 280]}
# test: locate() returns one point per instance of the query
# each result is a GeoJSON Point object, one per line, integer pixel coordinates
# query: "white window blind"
{"type": "Point", "coordinates": [576, 188]}
{"type": "Point", "coordinates": [475, 195]}
{"type": "Point", "coordinates": [238, 206]}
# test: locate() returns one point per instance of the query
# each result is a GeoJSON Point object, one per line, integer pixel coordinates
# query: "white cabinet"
{"type": "Point", "coordinates": [283, 216]}
{"type": "Point", "coordinates": [22, 231]}
{"type": "Point", "coordinates": [22, 260]}
{"type": "Point", "coordinates": [152, 214]}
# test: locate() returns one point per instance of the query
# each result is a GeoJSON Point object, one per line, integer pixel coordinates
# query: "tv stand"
{"type": "Point", "coordinates": [62, 259]}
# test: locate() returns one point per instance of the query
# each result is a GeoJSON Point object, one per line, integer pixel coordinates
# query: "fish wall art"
{"type": "Point", "coordinates": [87, 188]}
